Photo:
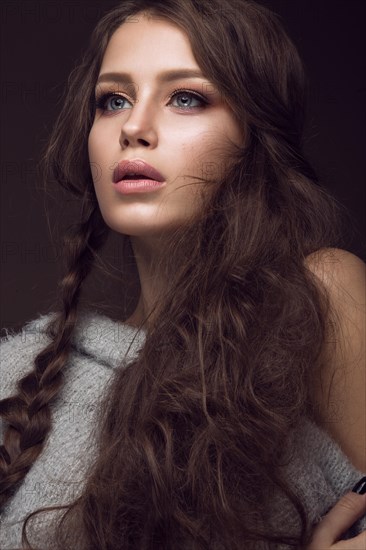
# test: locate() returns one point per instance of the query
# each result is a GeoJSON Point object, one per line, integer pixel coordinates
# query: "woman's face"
{"type": "Point", "coordinates": [179, 135]}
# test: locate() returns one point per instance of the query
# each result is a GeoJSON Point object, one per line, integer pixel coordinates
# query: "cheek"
{"type": "Point", "coordinates": [95, 142]}
{"type": "Point", "coordinates": [236, 131]}
{"type": "Point", "coordinates": [204, 152]}
{"type": "Point", "coordinates": [212, 156]}
{"type": "Point", "coordinates": [99, 136]}
{"type": "Point", "coordinates": [95, 154]}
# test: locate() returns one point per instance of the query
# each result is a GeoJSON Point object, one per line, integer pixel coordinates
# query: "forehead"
{"type": "Point", "coordinates": [147, 42]}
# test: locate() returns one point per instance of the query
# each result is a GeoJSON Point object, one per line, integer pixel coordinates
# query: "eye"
{"type": "Point", "coordinates": [103, 102]}
{"type": "Point", "coordinates": [115, 102]}
{"type": "Point", "coordinates": [187, 96]}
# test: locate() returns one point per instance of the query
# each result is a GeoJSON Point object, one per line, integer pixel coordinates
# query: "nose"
{"type": "Point", "coordinates": [139, 128]}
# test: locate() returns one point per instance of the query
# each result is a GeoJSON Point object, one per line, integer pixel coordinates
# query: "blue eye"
{"type": "Point", "coordinates": [189, 94]}
{"type": "Point", "coordinates": [103, 100]}
{"type": "Point", "coordinates": [114, 102]}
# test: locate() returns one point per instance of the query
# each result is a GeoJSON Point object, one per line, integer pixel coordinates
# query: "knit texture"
{"type": "Point", "coordinates": [317, 469]}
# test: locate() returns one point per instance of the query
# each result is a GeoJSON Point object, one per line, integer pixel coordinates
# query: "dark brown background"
{"type": "Point", "coordinates": [40, 41]}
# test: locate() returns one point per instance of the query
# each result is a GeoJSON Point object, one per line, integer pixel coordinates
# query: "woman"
{"type": "Point", "coordinates": [249, 315]}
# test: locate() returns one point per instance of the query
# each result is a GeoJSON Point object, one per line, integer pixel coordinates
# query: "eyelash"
{"type": "Point", "coordinates": [101, 100]}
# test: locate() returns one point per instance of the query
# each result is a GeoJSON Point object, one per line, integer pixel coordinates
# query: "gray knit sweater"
{"type": "Point", "coordinates": [318, 470]}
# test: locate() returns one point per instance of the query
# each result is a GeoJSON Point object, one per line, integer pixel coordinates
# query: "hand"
{"type": "Point", "coordinates": [340, 518]}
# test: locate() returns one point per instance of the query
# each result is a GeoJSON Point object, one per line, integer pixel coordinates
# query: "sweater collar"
{"type": "Point", "coordinates": [98, 336]}
{"type": "Point", "coordinates": [107, 341]}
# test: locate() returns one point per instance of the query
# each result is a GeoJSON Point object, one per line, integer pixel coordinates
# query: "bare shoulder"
{"type": "Point", "coordinates": [337, 269]}
{"type": "Point", "coordinates": [340, 388]}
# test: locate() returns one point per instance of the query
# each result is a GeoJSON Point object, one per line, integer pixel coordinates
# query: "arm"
{"type": "Point", "coordinates": [340, 389]}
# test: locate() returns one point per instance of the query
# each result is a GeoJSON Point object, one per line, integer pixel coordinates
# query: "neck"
{"type": "Point", "coordinates": [146, 253]}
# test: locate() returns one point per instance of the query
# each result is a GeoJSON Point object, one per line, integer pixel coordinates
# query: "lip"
{"type": "Point", "coordinates": [136, 166]}
{"type": "Point", "coordinates": [127, 187]}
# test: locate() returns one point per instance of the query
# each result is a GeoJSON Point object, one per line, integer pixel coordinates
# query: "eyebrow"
{"type": "Point", "coordinates": [167, 76]}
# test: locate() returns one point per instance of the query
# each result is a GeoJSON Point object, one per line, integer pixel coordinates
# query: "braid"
{"type": "Point", "coordinates": [28, 413]}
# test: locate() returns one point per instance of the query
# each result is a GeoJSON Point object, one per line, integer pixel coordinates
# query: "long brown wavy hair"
{"type": "Point", "coordinates": [191, 432]}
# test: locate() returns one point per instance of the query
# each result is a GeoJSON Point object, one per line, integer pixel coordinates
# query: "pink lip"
{"type": "Point", "coordinates": [136, 166]}
{"type": "Point", "coordinates": [126, 187]}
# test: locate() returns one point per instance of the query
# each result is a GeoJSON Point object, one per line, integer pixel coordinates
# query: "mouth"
{"type": "Point", "coordinates": [136, 169]}
{"type": "Point", "coordinates": [136, 177]}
